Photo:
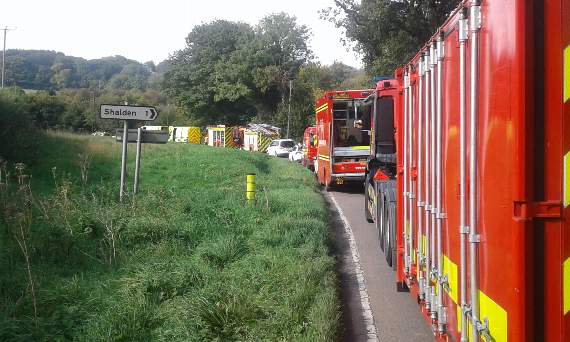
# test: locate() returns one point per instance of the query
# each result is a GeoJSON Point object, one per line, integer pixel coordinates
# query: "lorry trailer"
{"type": "Point", "coordinates": [468, 175]}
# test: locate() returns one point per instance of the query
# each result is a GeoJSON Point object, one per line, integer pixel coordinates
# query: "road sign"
{"type": "Point", "coordinates": [128, 112]}
{"type": "Point", "coordinates": [147, 137]}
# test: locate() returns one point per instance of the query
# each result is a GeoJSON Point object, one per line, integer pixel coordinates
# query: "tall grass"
{"type": "Point", "coordinates": [189, 260]}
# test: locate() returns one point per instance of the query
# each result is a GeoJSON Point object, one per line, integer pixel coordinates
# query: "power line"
{"type": "Point", "coordinates": [5, 29]}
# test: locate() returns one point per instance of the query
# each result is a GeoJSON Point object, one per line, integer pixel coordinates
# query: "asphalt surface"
{"type": "Point", "coordinates": [396, 314]}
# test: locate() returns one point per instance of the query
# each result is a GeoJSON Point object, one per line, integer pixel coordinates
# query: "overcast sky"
{"type": "Point", "coordinates": [150, 30]}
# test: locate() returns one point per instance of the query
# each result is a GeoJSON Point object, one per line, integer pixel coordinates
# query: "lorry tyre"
{"type": "Point", "coordinates": [379, 214]}
{"type": "Point", "coordinates": [391, 223]}
{"type": "Point", "coordinates": [368, 186]}
{"type": "Point", "coordinates": [390, 211]}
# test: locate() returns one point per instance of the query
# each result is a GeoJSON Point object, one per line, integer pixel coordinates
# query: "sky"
{"type": "Point", "coordinates": [151, 30]}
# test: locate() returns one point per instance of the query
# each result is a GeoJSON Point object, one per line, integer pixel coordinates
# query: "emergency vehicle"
{"type": "Point", "coordinates": [468, 177]}
{"type": "Point", "coordinates": [309, 147]}
{"type": "Point", "coordinates": [343, 146]}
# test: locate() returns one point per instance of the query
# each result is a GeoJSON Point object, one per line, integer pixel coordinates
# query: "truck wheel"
{"type": "Point", "coordinates": [379, 216]}
{"type": "Point", "coordinates": [390, 227]}
{"type": "Point", "coordinates": [368, 201]}
{"type": "Point", "coordinates": [391, 223]}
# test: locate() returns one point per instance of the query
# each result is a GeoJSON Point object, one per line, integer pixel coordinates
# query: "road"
{"type": "Point", "coordinates": [396, 315]}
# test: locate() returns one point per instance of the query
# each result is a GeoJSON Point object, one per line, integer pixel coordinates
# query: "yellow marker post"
{"type": "Point", "coordinates": [250, 187]}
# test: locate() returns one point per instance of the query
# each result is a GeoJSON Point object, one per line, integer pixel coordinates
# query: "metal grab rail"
{"type": "Point", "coordinates": [427, 287]}
{"type": "Point", "coordinates": [462, 228]}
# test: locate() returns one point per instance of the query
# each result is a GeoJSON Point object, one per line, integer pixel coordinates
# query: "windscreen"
{"type": "Point", "coordinates": [287, 144]}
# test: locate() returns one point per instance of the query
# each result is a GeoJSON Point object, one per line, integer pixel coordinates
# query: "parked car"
{"type": "Point", "coordinates": [297, 154]}
{"type": "Point", "coordinates": [280, 147]}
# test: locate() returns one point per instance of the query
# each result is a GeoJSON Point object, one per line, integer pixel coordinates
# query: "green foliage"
{"type": "Point", "coordinates": [46, 70]}
{"type": "Point", "coordinates": [74, 110]}
{"type": "Point", "coordinates": [388, 32]}
{"type": "Point", "coordinates": [18, 135]}
{"type": "Point", "coordinates": [230, 72]}
{"type": "Point", "coordinates": [188, 260]}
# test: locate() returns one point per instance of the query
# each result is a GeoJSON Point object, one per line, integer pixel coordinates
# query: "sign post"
{"type": "Point", "coordinates": [138, 160]}
{"type": "Point", "coordinates": [127, 113]}
{"type": "Point", "coordinates": [123, 160]}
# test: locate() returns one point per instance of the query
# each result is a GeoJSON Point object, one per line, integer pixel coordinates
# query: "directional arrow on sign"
{"type": "Point", "coordinates": [128, 112]}
{"type": "Point", "coordinates": [152, 115]}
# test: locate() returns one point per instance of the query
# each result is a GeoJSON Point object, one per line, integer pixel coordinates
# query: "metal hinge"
{"type": "Point", "coordinates": [546, 210]}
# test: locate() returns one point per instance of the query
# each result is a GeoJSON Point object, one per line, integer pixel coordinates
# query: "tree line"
{"type": "Point", "coordinates": [50, 70]}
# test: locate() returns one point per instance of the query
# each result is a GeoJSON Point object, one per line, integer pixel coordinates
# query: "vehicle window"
{"type": "Point", "coordinates": [287, 144]}
{"type": "Point", "coordinates": [385, 140]}
{"type": "Point", "coordinates": [274, 143]}
{"type": "Point", "coordinates": [349, 117]}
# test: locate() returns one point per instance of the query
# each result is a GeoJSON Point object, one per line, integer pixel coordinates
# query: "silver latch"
{"type": "Point", "coordinates": [463, 30]}
{"type": "Point", "coordinates": [440, 48]}
{"type": "Point", "coordinates": [476, 238]}
{"type": "Point", "coordinates": [475, 20]}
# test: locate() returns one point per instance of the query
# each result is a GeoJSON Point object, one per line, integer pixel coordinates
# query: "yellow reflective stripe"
{"type": "Point", "coordinates": [566, 73]}
{"type": "Point", "coordinates": [566, 285]}
{"type": "Point", "coordinates": [321, 108]}
{"type": "Point", "coordinates": [450, 270]}
{"type": "Point", "coordinates": [360, 148]}
{"type": "Point", "coordinates": [496, 315]}
{"type": "Point", "coordinates": [194, 135]}
{"type": "Point", "coordinates": [458, 308]}
{"type": "Point", "coordinates": [566, 180]}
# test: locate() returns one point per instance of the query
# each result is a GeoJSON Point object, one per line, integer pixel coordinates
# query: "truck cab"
{"type": "Point", "coordinates": [382, 182]}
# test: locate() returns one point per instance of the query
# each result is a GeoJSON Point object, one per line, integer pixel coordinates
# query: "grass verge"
{"type": "Point", "coordinates": [187, 260]}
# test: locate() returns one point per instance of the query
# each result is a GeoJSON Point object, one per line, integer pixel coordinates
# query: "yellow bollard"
{"type": "Point", "coordinates": [250, 187]}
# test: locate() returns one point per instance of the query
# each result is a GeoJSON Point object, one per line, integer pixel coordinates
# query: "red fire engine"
{"type": "Point", "coordinates": [342, 144]}
{"type": "Point", "coordinates": [468, 179]}
{"type": "Point", "coordinates": [309, 147]}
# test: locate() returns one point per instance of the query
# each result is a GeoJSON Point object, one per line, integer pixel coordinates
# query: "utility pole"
{"type": "Point", "coordinates": [289, 114]}
{"type": "Point", "coordinates": [5, 29]}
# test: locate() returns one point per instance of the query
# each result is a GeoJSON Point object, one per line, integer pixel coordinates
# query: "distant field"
{"type": "Point", "coordinates": [188, 260]}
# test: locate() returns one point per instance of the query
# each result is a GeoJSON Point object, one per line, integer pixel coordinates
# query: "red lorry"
{"type": "Point", "coordinates": [343, 146]}
{"type": "Point", "coordinates": [468, 177]}
{"type": "Point", "coordinates": [309, 148]}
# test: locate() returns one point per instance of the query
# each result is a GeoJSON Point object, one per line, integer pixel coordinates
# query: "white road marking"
{"type": "Point", "coordinates": [357, 268]}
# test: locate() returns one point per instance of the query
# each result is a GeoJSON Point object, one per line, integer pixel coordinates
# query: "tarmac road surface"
{"type": "Point", "coordinates": [396, 314]}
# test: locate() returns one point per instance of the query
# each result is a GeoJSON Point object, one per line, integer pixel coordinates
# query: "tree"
{"type": "Point", "coordinates": [230, 72]}
{"type": "Point", "coordinates": [388, 32]}
{"type": "Point", "coordinates": [284, 49]}
{"type": "Point", "coordinates": [211, 78]}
